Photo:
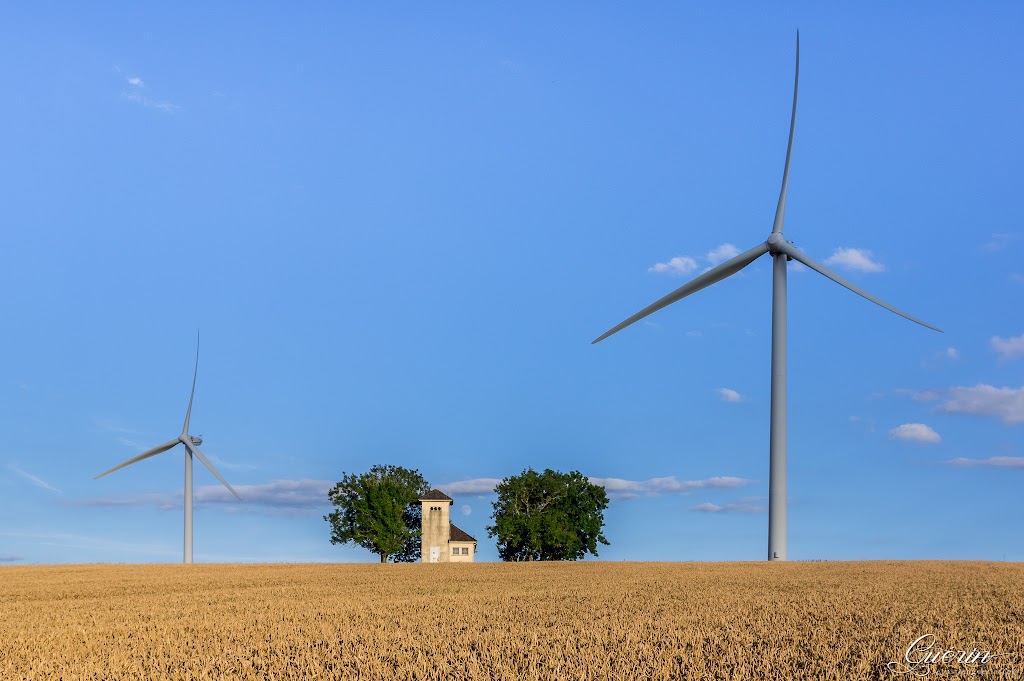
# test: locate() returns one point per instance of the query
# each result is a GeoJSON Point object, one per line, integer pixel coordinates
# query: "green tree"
{"type": "Point", "coordinates": [379, 511]}
{"type": "Point", "coordinates": [548, 516]}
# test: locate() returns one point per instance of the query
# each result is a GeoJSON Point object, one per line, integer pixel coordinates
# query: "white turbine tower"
{"type": "Point", "coordinates": [191, 447]}
{"type": "Point", "coordinates": [781, 251]}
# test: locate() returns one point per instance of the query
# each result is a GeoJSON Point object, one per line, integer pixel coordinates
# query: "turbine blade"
{"type": "Point", "coordinates": [145, 455]}
{"type": "Point", "coordinates": [780, 212]}
{"type": "Point", "coordinates": [188, 413]}
{"type": "Point", "coordinates": [821, 269]}
{"type": "Point", "coordinates": [206, 462]}
{"type": "Point", "coordinates": [714, 275]}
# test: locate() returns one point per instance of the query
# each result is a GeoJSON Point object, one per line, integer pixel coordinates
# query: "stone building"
{"type": "Point", "coordinates": [443, 542]}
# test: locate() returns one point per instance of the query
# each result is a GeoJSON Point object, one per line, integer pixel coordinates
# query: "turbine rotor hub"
{"type": "Point", "coordinates": [775, 241]}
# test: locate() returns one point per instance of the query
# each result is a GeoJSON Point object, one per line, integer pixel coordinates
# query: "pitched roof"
{"type": "Point", "coordinates": [459, 535]}
{"type": "Point", "coordinates": [437, 495]}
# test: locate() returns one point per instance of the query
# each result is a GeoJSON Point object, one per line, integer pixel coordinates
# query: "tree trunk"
{"type": "Point", "coordinates": [383, 558]}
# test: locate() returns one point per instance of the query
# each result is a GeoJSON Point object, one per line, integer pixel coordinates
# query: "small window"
{"type": "Point", "coordinates": [465, 550]}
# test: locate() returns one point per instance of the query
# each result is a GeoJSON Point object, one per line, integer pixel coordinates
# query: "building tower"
{"type": "Point", "coordinates": [443, 542]}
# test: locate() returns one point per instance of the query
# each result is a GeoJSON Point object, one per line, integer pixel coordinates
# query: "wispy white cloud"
{"type": "Point", "coordinates": [510, 65]}
{"type": "Point", "coordinates": [222, 464]}
{"type": "Point", "coordinates": [915, 432]}
{"type": "Point", "coordinates": [695, 333]}
{"type": "Point", "coordinates": [996, 461]}
{"type": "Point", "coordinates": [867, 424]}
{"type": "Point", "coordinates": [631, 489]}
{"type": "Point", "coordinates": [721, 253]}
{"type": "Point", "coordinates": [112, 426]}
{"type": "Point", "coordinates": [744, 505]}
{"type": "Point", "coordinates": [856, 259]}
{"type": "Point", "coordinates": [677, 266]}
{"type": "Point", "coordinates": [1017, 278]}
{"type": "Point", "coordinates": [122, 434]}
{"type": "Point", "coordinates": [981, 400]}
{"type": "Point", "coordinates": [947, 355]}
{"type": "Point", "coordinates": [1008, 348]}
{"type": "Point", "coordinates": [132, 444]}
{"type": "Point", "coordinates": [998, 242]}
{"type": "Point", "coordinates": [135, 95]}
{"type": "Point", "coordinates": [34, 479]}
{"type": "Point", "coordinates": [729, 395]}
{"type": "Point", "coordinates": [161, 105]}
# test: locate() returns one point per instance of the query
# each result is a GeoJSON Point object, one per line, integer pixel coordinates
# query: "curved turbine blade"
{"type": "Point", "coordinates": [206, 462]}
{"type": "Point", "coordinates": [145, 455]}
{"type": "Point", "coordinates": [188, 413]}
{"type": "Point", "coordinates": [712, 276]}
{"type": "Point", "coordinates": [780, 212]}
{"type": "Point", "coordinates": [821, 269]}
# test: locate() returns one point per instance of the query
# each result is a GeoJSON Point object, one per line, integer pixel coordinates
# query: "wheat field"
{"type": "Point", "coordinates": [587, 620]}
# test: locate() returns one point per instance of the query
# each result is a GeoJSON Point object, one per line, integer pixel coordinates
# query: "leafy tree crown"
{"type": "Point", "coordinates": [379, 511]}
{"type": "Point", "coordinates": [548, 516]}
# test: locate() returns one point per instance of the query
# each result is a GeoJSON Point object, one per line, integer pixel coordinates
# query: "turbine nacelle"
{"type": "Point", "coordinates": [196, 440]}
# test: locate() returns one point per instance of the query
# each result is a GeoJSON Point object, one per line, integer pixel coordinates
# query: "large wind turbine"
{"type": "Point", "coordinates": [191, 447]}
{"type": "Point", "coordinates": [781, 251]}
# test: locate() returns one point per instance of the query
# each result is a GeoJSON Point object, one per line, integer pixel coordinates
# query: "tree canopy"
{"type": "Point", "coordinates": [548, 516]}
{"type": "Point", "coordinates": [379, 511]}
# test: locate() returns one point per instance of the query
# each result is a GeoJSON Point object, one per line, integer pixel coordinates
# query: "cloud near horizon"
{"type": "Point", "coordinates": [283, 495]}
{"type": "Point", "coordinates": [311, 495]}
{"type": "Point", "coordinates": [618, 488]}
{"type": "Point", "coordinates": [744, 505]}
{"type": "Point", "coordinates": [473, 486]}
{"type": "Point", "coordinates": [631, 489]}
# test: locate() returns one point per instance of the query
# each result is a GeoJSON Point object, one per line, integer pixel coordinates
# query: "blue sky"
{"type": "Point", "coordinates": [399, 230]}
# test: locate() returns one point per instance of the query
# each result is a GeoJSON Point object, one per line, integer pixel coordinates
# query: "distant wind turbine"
{"type": "Point", "coordinates": [191, 447]}
{"type": "Point", "coordinates": [781, 251]}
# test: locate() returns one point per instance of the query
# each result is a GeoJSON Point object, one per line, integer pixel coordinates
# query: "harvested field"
{"type": "Point", "coordinates": [588, 620]}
